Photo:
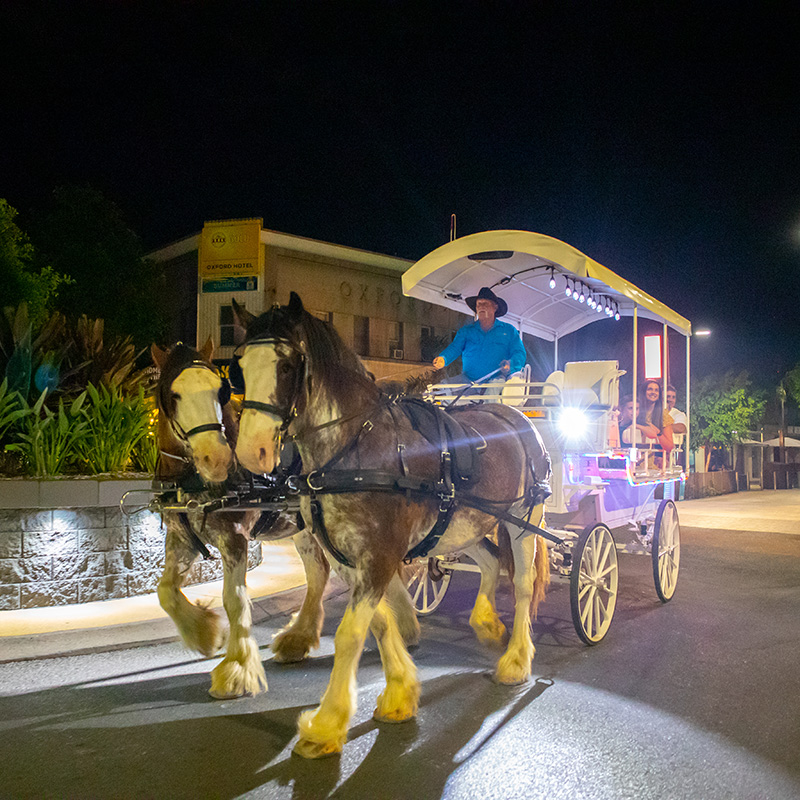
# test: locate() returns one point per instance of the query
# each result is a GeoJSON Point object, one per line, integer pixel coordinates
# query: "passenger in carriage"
{"type": "Point", "coordinates": [653, 422]}
{"type": "Point", "coordinates": [485, 345]}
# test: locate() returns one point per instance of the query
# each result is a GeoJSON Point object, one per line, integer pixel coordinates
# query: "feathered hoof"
{"type": "Point", "coordinates": [490, 632]}
{"type": "Point", "coordinates": [317, 739]}
{"type": "Point", "coordinates": [291, 646]}
{"type": "Point", "coordinates": [308, 749]}
{"type": "Point", "coordinates": [512, 672]}
{"type": "Point", "coordinates": [207, 634]}
{"type": "Point", "coordinates": [398, 702]}
{"type": "Point", "coordinates": [231, 679]}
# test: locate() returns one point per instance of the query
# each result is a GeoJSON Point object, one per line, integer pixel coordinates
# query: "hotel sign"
{"type": "Point", "coordinates": [231, 255]}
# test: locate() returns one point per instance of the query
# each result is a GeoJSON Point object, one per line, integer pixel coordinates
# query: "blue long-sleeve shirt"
{"type": "Point", "coordinates": [482, 351]}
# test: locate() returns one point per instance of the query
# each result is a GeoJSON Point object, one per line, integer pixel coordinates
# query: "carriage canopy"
{"type": "Point", "coordinates": [518, 266]}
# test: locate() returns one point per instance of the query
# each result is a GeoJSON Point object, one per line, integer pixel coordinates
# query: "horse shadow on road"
{"type": "Point", "coordinates": [160, 737]}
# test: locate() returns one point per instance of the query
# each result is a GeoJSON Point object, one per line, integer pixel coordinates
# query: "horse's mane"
{"type": "Point", "coordinates": [334, 364]}
{"type": "Point", "coordinates": [413, 386]}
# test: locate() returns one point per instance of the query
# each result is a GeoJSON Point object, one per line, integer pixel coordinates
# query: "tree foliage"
{"type": "Point", "coordinates": [723, 409]}
{"type": "Point", "coordinates": [791, 383]}
{"type": "Point", "coordinates": [20, 277]}
{"type": "Point", "coordinates": [85, 235]}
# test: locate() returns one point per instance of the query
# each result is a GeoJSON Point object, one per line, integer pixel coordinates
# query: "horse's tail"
{"type": "Point", "coordinates": [541, 565]}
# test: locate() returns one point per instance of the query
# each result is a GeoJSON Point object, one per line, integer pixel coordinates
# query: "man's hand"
{"type": "Point", "coordinates": [438, 362]}
{"type": "Point", "coordinates": [505, 367]}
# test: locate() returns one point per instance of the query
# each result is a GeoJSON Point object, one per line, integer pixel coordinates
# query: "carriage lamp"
{"type": "Point", "coordinates": [572, 423]}
{"type": "Point", "coordinates": [552, 278]}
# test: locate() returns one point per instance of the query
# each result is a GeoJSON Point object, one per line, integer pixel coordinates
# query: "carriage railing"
{"type": "Point", "coordinates": [547, 403]}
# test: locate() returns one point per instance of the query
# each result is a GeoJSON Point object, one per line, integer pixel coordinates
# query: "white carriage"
{"type": "Point", "coordinates": [599, 484]}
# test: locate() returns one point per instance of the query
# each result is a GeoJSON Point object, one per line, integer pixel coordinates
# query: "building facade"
{"type": "Point", "coordinates": [359, 292]}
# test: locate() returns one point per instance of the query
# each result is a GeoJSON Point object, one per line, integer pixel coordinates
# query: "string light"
{"type": "Point", "coordinates": [567, 291]}
{"type": "Point", "coordinates": [552, 278]}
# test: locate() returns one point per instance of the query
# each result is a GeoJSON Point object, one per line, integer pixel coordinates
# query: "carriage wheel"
{"type": "Point", "coordinates": [593, 583]}
{"type": "Point", "coordinates": [427, 584]}
{"type": "Point", "coordinates": [666, 550]}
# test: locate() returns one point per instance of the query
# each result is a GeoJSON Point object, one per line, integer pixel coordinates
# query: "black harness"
{"type": "Point", "coordinates": [459, 447]}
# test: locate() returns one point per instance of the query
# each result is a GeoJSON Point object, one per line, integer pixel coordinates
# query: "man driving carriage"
{"type": "Point", "coordinates": [489, 349]}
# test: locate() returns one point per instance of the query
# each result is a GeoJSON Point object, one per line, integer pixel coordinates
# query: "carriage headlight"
{"type": "Point", "coordinates": [572, 423]}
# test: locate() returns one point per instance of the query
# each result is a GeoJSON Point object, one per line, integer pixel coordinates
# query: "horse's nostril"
{"type": "Point", "coordinates": [262, 454]}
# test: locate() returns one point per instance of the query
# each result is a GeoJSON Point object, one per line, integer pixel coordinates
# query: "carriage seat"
{"type": "Point", "coordinates": [551, 391]}
{"type": "Point", "coordinates": [592, 383]}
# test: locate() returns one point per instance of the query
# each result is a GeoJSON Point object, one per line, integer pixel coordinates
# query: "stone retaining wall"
{"type": "Point", "coordinates": [57, 556]}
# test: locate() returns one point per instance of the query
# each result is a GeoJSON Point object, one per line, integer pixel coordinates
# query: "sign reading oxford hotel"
{"type": "Point", "coordinates": [231, 256]}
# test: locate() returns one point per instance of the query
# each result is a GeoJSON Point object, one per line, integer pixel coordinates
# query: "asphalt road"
{"type": "Point", "coordinates": [698, 698]}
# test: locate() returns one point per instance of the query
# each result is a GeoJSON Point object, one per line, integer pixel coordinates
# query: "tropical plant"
{"type": "Point", "coordinates": [144, 457]}
{"type": "Point", "coordinates": [115, 425]}
{"type": "Point", "coordinates": [10, 408]}
{"type": "Point", "coordinates": [47, 439]}
{"type": "Point", "coordinates": [31, 354]}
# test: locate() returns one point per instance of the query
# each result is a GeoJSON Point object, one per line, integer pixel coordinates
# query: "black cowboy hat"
{"type": "Point", "coordinates": [487, 294]}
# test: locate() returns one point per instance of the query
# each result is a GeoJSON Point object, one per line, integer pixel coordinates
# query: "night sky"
{"type": "Point", "coordinates": [661, 142]}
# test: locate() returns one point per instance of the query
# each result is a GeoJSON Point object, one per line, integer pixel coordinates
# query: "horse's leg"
{"type": "Point", "coordinates": [241, 671]}
{"type": "Point", "coordinates": [323, 731]}
{"type": "Point", "coordinates": [302, 633]}
{"type": "Point", "coordinates": [399, 700]}
{"type": "Point", "coordinates": [484, 619]}
{"type": "Point", "coordinates": [515, 664]}
{"type": "Point", "coordinates": [200, 628]}
{"type": "Point", "coordinates": [405, 615]}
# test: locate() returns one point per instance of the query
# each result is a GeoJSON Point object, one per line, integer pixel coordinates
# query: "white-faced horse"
{"type": "Point", "coordinates": [197, 429]}
{"type": "Point", "coordinates": [375, 488]}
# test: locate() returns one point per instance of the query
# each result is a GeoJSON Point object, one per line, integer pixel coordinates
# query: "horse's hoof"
{"type": "Point", "coordinates": [287, 651]}
{"type": "Point", "coordinates": [223, 695]}
{"type": "Point", "coordinates": [512, 677]}
{"type": "Point", "coordinates": [308, 749]}
{"type": "Point", "coordinates": [397, 715]}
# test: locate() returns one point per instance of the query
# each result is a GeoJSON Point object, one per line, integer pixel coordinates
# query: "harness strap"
{"type": "Point", "coordinates": [210, 426]}
{"type": "Point", "coordinates": [193, 537]}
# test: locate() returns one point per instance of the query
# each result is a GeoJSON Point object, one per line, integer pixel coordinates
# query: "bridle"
{"type": "Point", "coordinates": [287, 413]}
{"type": "Point", "coordinates": [224, 395]}
{"type": "Point", "coordinates": [284, 413]}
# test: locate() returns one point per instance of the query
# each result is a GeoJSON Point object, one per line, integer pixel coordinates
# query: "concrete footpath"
{"type": "Point", "coordinates": [277, 586]}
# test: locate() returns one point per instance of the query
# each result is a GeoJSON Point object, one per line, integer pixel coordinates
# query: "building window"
{"type": "Point", "coordinates": [361, 335]}
{"type": "Point", "coordinates": [325, 316]}
{"type": "Point", "coordinates": [227, 326]}
{"type": "Point", "coordinates": [395, 340]}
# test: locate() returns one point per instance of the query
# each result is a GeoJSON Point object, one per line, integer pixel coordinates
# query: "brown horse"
{"type": "Point", "coordinates": [197, 429]}
{"type": "Point", "coordinates": [302, 380]}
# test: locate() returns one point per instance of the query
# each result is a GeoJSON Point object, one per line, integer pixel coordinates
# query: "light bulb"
{"type": "Point", "coordinates": [552, 279]}
{"type": "Point", "coordinates": [567, 291]}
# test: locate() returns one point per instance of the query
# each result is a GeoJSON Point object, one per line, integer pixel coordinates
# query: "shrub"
{"type": "Point", "coordinates": [115, 424]}
{"type": "Point", "coordinates": [46, 439]}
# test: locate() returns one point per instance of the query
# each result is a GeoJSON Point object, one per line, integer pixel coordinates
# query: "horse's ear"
{"type": "Point", "coordinates": [158, 355]}
{"type": "Point", "coordinates": [295, 306]}
{"type": "Point", "coordinates": [207, 350]}
{"type": "Point", "coordinates": [243, 316]}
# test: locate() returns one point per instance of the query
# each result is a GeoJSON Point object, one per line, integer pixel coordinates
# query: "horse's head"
{"type": "Point", "coordinates": [273, 366]}
{"type": "Point", "coordinates": [191, 396]}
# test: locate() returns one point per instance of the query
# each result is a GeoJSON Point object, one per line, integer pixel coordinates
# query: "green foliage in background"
{"type": "Point", "coordinates": [46, 439]}
{"type": "Point", "coordinates": [20, 277]}
{"type": "Point", "coordinates": [723, 409]}
{"type": "Point", "coordinates": [85, 235]}
{"type": "Point", "coordinates": [115, 425]}
{"type": "Point", "coordinates": [11, 409]}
